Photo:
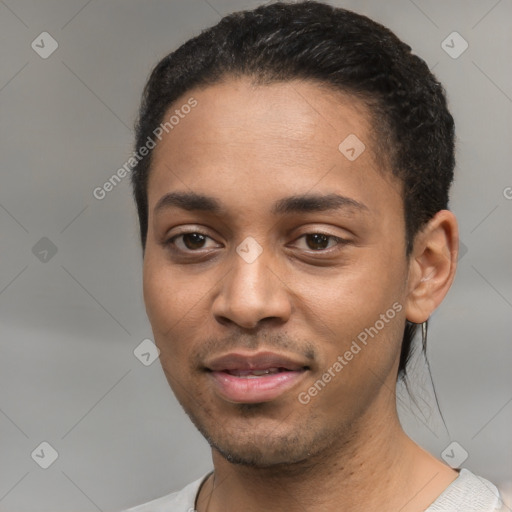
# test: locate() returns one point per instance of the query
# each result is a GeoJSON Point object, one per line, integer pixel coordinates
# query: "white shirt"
{"type": "Point", "coordinates": [467, 493]}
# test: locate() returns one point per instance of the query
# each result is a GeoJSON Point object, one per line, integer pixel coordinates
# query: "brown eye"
{"type": "Point", "coordinates": [319, 242]}
{"type": "Point", "coordinates": [188, 242]}
{"type": "Point", "coordinates": [193, 240]}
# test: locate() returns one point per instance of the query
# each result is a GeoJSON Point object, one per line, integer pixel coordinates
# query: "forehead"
{"type": "Point", "coordinates": [247, 137]}
{"type": "Point", "coordinates": [296, 118]}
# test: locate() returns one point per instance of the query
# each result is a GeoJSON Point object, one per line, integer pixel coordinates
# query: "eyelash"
{"type": "Point", "coordinates": [339, 241]}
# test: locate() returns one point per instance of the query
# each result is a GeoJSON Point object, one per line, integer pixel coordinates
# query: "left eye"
{"type": "Point", "coordinates": [318, 241]}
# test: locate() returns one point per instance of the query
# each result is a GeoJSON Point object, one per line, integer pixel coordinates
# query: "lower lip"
{"type": "Point", "coordinates": [256, 389]}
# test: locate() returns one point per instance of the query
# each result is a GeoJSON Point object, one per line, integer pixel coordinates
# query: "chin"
{"type": "Point", "coordinates": [261, 456]}
{"type": "Point", "coordinates": [257, 445]}
{"type": "Point", "coordinates": [263, 435]}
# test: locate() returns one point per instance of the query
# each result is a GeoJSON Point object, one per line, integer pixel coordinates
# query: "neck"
{"type": "Point", "coordinates": [376, 467]}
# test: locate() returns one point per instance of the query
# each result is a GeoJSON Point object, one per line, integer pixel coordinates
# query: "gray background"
{"type": "Point", "coordinates": [70, 323]}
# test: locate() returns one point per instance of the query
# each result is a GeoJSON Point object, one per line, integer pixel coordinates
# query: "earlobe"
{"type": "Point", "coordinates": [432, 266]}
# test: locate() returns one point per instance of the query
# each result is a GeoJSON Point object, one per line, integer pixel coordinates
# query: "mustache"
{"type": "Point", "coordinates": [278, 342]}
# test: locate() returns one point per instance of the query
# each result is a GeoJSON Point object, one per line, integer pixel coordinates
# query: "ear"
{"type": "Point", "coordinates": [432, 266]}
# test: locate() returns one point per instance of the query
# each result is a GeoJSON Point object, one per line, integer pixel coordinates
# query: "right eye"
{"type": "Point", "coordinates": [187, 242]}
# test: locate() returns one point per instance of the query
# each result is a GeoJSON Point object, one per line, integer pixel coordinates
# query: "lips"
{"type": "Point", "coordinates": [248, 374]}
{"type": "Point", "coordinates": [260, 361]}
{"type": "Point", "coordinates": [254, 378]}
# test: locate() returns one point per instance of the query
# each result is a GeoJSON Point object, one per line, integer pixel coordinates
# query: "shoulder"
{"type": "Point", "coordinates": [180, 501]}
{"type": "Point", "coordinates": [470, 493]}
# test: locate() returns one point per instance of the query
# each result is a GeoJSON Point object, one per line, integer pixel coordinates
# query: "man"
{"type": "Point", "coordinates": [292, 178]}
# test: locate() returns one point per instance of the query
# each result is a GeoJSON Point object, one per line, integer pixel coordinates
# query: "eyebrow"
{"type": "Point", "coordinates": [305, 203]}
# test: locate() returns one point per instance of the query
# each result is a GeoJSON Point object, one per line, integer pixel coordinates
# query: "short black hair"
{"type": "Point", "coordinates": [333, 47]}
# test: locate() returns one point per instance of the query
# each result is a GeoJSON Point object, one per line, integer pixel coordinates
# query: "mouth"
{"type": "Point", "coordinates": [254, 378]}
{"type": "Point", "coordinates": [254, 374]}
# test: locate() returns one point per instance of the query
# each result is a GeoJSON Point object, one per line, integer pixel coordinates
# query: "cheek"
{"type": "Point", "coordinates": [360, 357]}
{"type": "Point", "coordinates": [163, 297]}
{"type": "Point", "coordinates": [345, 311]}
{"type": "Point", "coordinates": [156, 294]}
{"type": "Point", "coordinates": [174, 306]}
{"type": "Point", "coordinates": [355, 295]}
{"type": "Point", "coordinates": [164, 312]}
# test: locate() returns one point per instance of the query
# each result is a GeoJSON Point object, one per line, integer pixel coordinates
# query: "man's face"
{"type": "Point", "coordinates": [262, 301]}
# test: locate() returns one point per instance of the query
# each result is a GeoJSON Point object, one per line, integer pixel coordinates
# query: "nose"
{"type": "Point", "coordinates": [252, 291]}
